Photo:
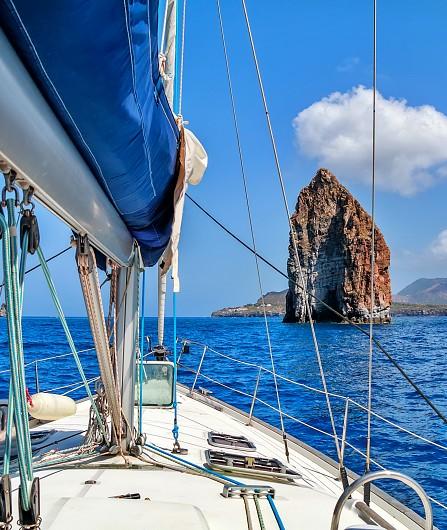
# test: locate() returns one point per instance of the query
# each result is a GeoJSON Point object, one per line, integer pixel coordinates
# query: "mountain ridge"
{"type": "Point", "coordinates": [431, 291]}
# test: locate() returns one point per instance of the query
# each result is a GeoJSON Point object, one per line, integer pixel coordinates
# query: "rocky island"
{"type": "Point", "coordinates": [333, 235]}
{"type": "Point", "coordinates": [276, 307]}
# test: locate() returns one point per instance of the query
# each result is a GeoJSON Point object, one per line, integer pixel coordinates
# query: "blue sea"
{"type": "Point", "coordinates": [419, 344]}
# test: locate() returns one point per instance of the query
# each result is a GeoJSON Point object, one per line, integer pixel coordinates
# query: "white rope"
{"type": "Point", "coordinates": [373, 192]}
{"type": "Point", "coordinates": [250, 221]}
{"type": "Point", "coordinates": [92, 296]}
{"type": "Point", "coordinates": [182, 58]}
{"type": "Point", "coordinates": [292, 232]}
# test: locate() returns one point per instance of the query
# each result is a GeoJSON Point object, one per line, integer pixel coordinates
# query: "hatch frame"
{"type": "Point", "coordinates": [235, 438]}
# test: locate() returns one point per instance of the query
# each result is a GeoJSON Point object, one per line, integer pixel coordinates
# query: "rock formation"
{"type": "Point", "coordinates": [275, 306]}
{"type": "Point", "coordinates": [333, 235]}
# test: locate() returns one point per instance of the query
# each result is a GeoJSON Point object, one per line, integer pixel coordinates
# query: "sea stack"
{"type": "Point", "coordinates": [333, 235]}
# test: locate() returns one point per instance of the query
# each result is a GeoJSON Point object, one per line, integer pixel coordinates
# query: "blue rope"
{"type": "Point", "coordinates": [191, 464]}
{"type": "Point", "coordinates": [275, 512]}
{"type": "Point", "coordinates": [175, 429]}
{"type": "Point", "coordinates": [141, 371]}
{"type": "Point", "coordinates": [218, 475]}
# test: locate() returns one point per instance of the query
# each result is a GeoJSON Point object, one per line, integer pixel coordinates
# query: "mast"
{"type": "Point", "coordinates": [127, 341]}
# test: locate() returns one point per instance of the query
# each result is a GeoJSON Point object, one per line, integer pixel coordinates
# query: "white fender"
{"type": "Point", "coordinates": [51, 406]}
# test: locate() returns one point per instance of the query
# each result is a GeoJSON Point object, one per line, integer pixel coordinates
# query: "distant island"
{"type": "Point", "coordinates": [275, 302]}
{"type": "Point", "coordinates": [275, 306]}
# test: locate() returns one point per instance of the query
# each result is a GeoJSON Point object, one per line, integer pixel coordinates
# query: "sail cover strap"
{"type": "Point", "coordinates": [96, 63]}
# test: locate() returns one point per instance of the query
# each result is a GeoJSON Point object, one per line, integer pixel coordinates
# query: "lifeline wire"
{"type": "Point", "coordinates": [292, 231]}
{"type": "Point", "coordinates": [250, 220]}
{"type": "Point", "coordinates": [367, 491]}
{"type": "Point", "coordinates": [327, 306]}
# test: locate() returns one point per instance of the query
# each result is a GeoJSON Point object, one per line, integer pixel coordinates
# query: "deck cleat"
{"type": "Point", "coordinates": [177, 450]}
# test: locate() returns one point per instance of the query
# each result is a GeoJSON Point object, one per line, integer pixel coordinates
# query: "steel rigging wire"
{"type": "Point", "coordinates": [291, 227]}
{"type": "Point", "coordinates": [251, 225]}
{"type": "Point", "coordinates": [339, 315]}
{"type": "Point", "coordinates": [367, 488]}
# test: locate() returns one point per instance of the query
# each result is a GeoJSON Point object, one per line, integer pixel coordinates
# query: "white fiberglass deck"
{"type": "Point", "coordinates": [172, 498]}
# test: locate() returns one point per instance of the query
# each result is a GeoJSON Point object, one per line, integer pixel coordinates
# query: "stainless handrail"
{"type": "Point", "coordinates": [312, 389]}
{"type": "Point", "coordinates": [205, 348]}
{"type": "Point", "coordinates": [377, 475]}
{"type": "Point", "coordinates": [255, 393]}
{"type": "Point", "coordinates": [36, 362]}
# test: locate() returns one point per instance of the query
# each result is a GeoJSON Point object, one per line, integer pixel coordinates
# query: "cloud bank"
{"type": "Point", "coordinates": [411, 149]}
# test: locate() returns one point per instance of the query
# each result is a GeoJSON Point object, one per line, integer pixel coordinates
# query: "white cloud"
{"type": "Point", "coordinates": [439, 245]}
{"type": "Point", "coordinates": [411, 150]}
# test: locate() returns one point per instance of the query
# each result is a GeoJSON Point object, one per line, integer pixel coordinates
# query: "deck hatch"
{"type": "Point", "coordinates": [222, 461]}
{"type": "Point", "coordinates": [230, 441]}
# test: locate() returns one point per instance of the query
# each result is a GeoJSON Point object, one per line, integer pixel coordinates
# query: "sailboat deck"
{"type": "Point", "coordinates": [81, 496]}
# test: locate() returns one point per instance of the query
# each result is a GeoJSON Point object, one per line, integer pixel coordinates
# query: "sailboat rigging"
{"type": "Point", "coordinates": [94, 130]}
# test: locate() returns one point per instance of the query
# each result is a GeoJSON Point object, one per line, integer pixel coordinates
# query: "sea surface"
{"type": "Point", "coordinates": [419, 344]}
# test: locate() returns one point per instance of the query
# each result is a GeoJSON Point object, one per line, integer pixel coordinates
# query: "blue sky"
{"type": "Point", "coordinates": [307, 51]}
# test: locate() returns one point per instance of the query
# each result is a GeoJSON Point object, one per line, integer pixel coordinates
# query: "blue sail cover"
{"type": "Point", "coordinates": [96, 63]}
